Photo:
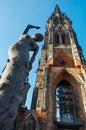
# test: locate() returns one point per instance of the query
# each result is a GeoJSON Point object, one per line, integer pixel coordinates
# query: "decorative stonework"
{"type": "Point", "coordinates": [63, 62]}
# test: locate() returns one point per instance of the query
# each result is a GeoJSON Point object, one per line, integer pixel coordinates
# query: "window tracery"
{"type": "Point", "coordinates": [64, 102]}
{"type": "Point", "coordinates": [61, 36]}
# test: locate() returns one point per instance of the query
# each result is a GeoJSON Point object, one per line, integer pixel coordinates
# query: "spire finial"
{"type": "Point", "coordinates": [57, 10]}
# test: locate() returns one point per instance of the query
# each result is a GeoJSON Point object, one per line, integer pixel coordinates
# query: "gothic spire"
{"type": "Point", "coordinates": [57, 10]}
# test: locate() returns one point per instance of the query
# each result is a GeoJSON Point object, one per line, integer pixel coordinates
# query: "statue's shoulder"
{"type": "Point", "coordinates": [24, 36]}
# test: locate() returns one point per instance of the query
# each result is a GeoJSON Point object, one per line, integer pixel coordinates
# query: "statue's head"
{"type": "Point", "coordinates": [38, 37]}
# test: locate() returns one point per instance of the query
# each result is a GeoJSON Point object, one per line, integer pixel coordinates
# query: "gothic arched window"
{"type": "Point", "coordinates": [64, 102]}
{"type": "Point", "coordinates": [63, 38]}
{"type": "Point", "coordinates": [56, 38]}
{"type": "Point", "coordinates": [30, 123]}
{"type": "Point", "coordinates": [56, 20]}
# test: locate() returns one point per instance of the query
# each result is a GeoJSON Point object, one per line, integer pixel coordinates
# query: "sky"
{"type": "Point", "coordinates": [15, 15]}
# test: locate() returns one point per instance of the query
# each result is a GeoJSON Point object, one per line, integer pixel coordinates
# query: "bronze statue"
{"type": "Point", "coordinates": [13, 80]}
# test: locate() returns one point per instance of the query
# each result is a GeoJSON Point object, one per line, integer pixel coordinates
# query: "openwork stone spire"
{"type": "Point", "coordinates": [57, 9]}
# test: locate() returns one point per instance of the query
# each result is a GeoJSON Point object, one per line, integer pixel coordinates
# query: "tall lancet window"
{"type": "Point", "coordinates": [56, 38]}
{"type": "Point", "coordinates": [56, 20]}
{"type": "Point", "coordinates": [63, 38]}
{"type": "Point", "coordinates": [64, 102]}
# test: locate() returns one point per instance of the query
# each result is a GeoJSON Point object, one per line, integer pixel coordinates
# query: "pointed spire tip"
{"type": "Point", "coordinates": [57, 9]}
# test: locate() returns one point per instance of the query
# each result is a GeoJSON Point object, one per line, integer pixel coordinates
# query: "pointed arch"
{"type": "Point", "coordinates": [56, 38]}
{"type": "Point", "coordinates": [68, 75]}
{"type": "Point", "coordinates": [63, 36]}
{"type": "Point", "coordinates": [31, 122]}
{"type": "Point", "coordinates": [75, 82]}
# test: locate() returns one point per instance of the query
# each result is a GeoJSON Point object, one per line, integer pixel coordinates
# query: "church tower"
{"type": "Point", "coordinates": [60, 91]}
{"type": "Point", "coordinates": [59, 96]}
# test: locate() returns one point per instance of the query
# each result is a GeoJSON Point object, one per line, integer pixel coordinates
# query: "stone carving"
{"type": "Point", "coordinates": [13, 82]}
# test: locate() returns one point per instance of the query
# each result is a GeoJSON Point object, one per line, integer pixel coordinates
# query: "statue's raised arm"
{"type": "Point", "coordinates": [30, 27]}
{"type": "Point", "coordinates": [13, 80]}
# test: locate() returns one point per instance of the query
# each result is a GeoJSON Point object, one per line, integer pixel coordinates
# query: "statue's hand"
{"type": "Point", "coordinates": [37, 27]}
{"type": "Point", "coordinates": [32, 26]}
